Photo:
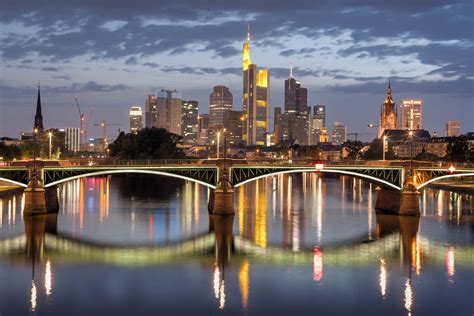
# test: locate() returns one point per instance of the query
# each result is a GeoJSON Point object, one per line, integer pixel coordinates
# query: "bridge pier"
{"type": "Point", "coordinates": [221, 199]}
{"type": "Point", "coordinates": [404, 202]}
{"type": "Point", "coordinates": [38, 199]}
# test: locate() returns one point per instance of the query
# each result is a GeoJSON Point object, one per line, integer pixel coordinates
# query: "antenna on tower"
{"type": "Point", "coordinates": [291, 70]}
{"type": "Point", "coordinates": [248, 33]}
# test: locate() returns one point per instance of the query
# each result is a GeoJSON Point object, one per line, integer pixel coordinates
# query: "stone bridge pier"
{"type": "Point", "coordinates": [221, 199]}
{"type": "Point", "coordinates": [404, 202]}
{"type": "Point", "coordinates": [38, 199]}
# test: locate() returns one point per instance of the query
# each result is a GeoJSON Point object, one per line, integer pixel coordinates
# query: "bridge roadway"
{"type": "Point", "coordinates": [201, 248]}
{"type": "Point", "coordinates": [208, 172]}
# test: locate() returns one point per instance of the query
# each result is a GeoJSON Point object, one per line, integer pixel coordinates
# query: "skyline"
{"type": "Point", "coordinates": [341, 54]}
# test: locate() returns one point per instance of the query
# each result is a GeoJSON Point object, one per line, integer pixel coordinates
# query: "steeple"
{"type": "Point", "coordinates": [38, 116]}
{"type": "Point", "coordinates": [389, 99]}
{"type": "Point", "coordinates": [246, 52]}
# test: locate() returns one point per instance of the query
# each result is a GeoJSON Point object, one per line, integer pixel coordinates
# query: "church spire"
{"type": "Point", "coordinates": [38, 116]}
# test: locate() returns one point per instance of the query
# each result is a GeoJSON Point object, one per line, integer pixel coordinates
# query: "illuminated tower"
{"type": "Point", "coordinates": [38, 116]}
{"type": "Point", "coordinates": [411, 111]}
{"type": "Point", "coordinates": [256, 89]}
{"type": "Point", "coordinates": [388, 113]}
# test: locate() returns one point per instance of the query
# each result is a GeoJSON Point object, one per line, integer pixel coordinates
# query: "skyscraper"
{"type": "Point", "coordinates": [256, 86]}
{"type": "Point", "coordinates": [151, 111]}
{"type": "Point", "coordinates": [136, 119]}
{"type": "Point", "coordinates": [234, 128]}
{"type": "Point", "coordinates": [453, 128]}
{"type": "Point", "coordinates": [189, 122]}
{"type": "Point", "coordinates": [411, 112]}
{"type": "Point", "coordinates": [318, 122]}
{"type": "Point", "coordinates": [277, 127]}
{"type": "Point", "coordinates": [296, 110]}
{"type": "Point", "coordinates": [169, 108]}
{"type": "Point", "coordinates": [338, 133]}
{"type": "Point", "coordinates": [388, 113]}
{"type": "Point", "coordinates": [203, 128]}
{"type": "Point", "coordinates": [38, 125]}
{"type": "Point", "coordinates": [220, 105]}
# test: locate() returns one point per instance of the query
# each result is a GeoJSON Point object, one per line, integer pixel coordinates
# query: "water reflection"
{"type": "Point", "coordinates": [301, 236]}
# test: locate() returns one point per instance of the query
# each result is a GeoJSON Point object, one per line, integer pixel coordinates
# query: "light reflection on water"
{"type": "Point", "coordinates": [289, 230]}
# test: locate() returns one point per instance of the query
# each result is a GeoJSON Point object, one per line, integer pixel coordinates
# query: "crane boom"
{"type": "Point", "coordinates": [83, 131]}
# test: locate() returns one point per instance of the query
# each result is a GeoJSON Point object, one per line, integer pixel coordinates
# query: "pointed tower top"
{"type": "Point", "coordinates": [291, 70]}
{"type": "Point", "coordinates": [38, 116]}
{"type": "Point", "coordinates": [248, 33]}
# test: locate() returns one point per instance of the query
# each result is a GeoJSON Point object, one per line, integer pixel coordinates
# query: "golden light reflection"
{"type": "Point", "coordinates": [196, 204]}
{"type": "Point", "coordinates": [216, 281]}
{"type": "Point", "coordinates": [244, 282]}
{"type": "Point", "coordinates": [33, 296]}
{"type": "Point", "coordinates": [260, 217]}
{"type": "Point", "coordinates": [450, 268]}
{"type": "Point", "coordinates": [222, 295]}
{"type": "Point", "coordinates": [1, 213]}
{"type": "Point", "coordinates": [319, 210]}
{"type": "Point", "coordinates": [241, 209]}
{"type": "Point", "coordinates": [48, 279]}
{"type": "Point", "coordinates": [369, 211]}
{"type": "Point", "coordinates": [408, 296]}
{"type": "Point", "coordinates": [383, 278]}
{"type": "Point", "coordinates": [81, 203]}
{"type": "Point", "coordinates": [317, 264]}
{"type": "Point", "coordinates": [440, 203]}
{"type": "Point", "coordinates": [416, 255]}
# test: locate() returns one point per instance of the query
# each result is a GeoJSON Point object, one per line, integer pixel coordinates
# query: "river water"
{"type": "Point", "coordinates": [298, 245]}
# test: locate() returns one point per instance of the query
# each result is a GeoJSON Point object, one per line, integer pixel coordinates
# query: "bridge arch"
{"type": "Point", "coordinates": [369, 178]}
{"type": "Point", "coordinates": [108, 172]}
{"type": "Point", "coordinates": [454, 175]}
{"type": "Point", "coordinates": [14, 182]}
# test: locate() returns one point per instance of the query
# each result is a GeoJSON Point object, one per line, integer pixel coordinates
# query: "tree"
{"type": "Point", "coordinates": [148, 143]}
{"type": "Point", "coordinates": [9, 152]}
{"type": "Point", "coordinates": [425, 156]}
{"type": "Point", "coordinates": [354, 150]}
{"type": "Point", "coordinates": [375, 151]}
{"type": "Point", "coordinates": [458, 149]}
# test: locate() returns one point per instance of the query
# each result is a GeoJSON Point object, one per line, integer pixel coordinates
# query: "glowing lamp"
{"type": "Point", "coordinates": [319, 166]}
{"type": "Point", "coordinates": [451, 169]}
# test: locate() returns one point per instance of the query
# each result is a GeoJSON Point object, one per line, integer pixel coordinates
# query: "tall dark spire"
{"type": "Point", "coordinates": [38, 116]}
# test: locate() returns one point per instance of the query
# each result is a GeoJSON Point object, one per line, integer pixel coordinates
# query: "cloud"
{"type": "Point", "coordinates": [151, 65]}
{"type": "Point", "coordinates": [64, 77]}
{"type": "Point", "coordinates": [50, 69]}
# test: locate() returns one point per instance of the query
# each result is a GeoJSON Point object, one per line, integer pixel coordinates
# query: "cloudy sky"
{"type": "Point", "coordinates": [111, 54]}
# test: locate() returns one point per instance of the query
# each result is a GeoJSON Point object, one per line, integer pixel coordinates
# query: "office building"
{"type": "Point", "coordinates": [72, 138]}
{"type": "Point", "coordinates": [296, 110]}
{"type": "Point", "coordinates": [220, 105]}
{"type": "Point", "coordinates": [169, 107]}
{"type": "Point", "coordinates": [234, 128]}
{"type": "Point", "coordinates": [453, 128]}
{"type": "Point", "coordinates": [203, 129]}
{"type": "Point", "coordinates": [388, 113]}
{"type": "Point", "coordinates": [151, 111]}
{"type": "Point", "coordinates": [189, 121]}
{"type": "Point", "coordinates": [317, 123]}
{"type": "Point", "coordinates": [411, 113]}
{"type": "Point", "coordinates": [256, 88]}
{"type": "Point", "coordinates": [136, 119]}
{"type": "Point", "coordinates": [338, 134]}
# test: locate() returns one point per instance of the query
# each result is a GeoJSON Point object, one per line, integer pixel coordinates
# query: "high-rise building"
{"type": "Point", "coordinates": [388, 113]}
{"type": "Point", "coordinates": [296, 107]}
{"type": "Point", "coordinates": [338, 133]}
{"type": "Point", "coordinates": [453, 128]}
{"type": "Point", "coordinates": [318, 122]}
{"type": "Point", "coordinates": [234, 128]}
{"type": "Point", "coordinates": [277, 127]}
{"type": "Point", "coordinates": [203, 129]}
{"type": "Point", "coordinates": [38, 125]}
{"type": "Point", "coordinates": [411, 112]}
{"type": "Point", "coordinates": [151, 111]}
{"type": "Point", "coordinates": [256, 89]}
{"type": "Point", "coordinates": [136, 119]}
{"type": "Point", "coordinates": [220, 105]}
{"type": "Point", "coordinates": [169, 105]}
{"type": "Point", "coordinates": [189, 122]}
{"type": "Point", "coordinates": [72, 138]}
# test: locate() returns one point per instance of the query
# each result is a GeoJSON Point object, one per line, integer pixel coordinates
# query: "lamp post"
{"type": "Point", "coordinates": [218, 141]}
{"type": "Point", "coordinates": [410, 134]}
{"type": "Point", "coordinates": [225, 146]}
{"type": "Point", "coordinates": [50, 134]}
{"type": "Point", "coordinates": [35, 131]}
{"type": "Point", "coordinates": [384, 146]}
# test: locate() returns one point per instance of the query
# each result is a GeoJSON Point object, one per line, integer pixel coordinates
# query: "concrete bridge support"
{"type": "Point", "coordinates": [404, 202]}
{"type": "Point", "coordinates": [221, 200]}
{"type": "Point", "coordinates": [38, 199]}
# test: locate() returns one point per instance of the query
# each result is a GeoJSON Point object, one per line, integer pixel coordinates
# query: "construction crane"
{"type": "Point", "coordinates": [104, 125]}
{"type": "Point", "coordinates": [357, 134]}
{"type": "Point", "coordinates": [82, 122]}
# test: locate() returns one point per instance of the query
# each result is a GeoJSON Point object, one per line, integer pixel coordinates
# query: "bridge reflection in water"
{"type": "Point", "coordinates": [391, 240]}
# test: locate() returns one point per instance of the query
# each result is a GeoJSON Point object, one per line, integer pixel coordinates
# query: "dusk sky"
{"type": "Point", "coordinates": [112, 54]}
